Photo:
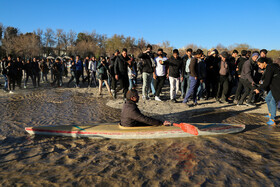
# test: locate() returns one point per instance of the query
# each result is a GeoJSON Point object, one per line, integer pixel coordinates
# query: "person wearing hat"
{"type": "Point", "coordinates": [131, 115]}
{"type": "Point", "coordinates": [271, 82]}
{"type": "Point", "coordinates": [212, 71]}
{"type": "Point", "coordinates": [223, 79]}
{"type": "Point", "coordinates": [193, 77]}
{"type": "Point", "coordinates": [247, 81]}
{"type": "Point", "coordinates": [148, 69]}
{"type": "Point", "coordinates": [175, 64]}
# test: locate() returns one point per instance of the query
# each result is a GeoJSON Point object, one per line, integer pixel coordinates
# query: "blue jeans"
{"type": "Point", "coordinates": [185, 85]}
{"type": "Point", "coordinates": [6, 82]}
{"type": "Point", "coordinates": [278, 104]}
{"type": "Point", "coordinates": [153, 87]}
{"type": "Point", "coordinates": [200, 89]}
{"type": "Point", "coordinates": [192, 90]}
{"type": "Point", "coordinates": [271, 105]}
{"type": "Point", "coordinates": [132, 83]}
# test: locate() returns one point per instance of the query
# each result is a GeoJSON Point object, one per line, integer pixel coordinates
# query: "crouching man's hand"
{"type": "Point", "coordinates": [167, 123]}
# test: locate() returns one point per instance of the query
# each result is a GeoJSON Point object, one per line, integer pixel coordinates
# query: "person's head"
{"type": "Point", "coordinates": [34, 59]}
{"type": "Point", "coordinates": [263, 53]}
{"type": "Point", "coordinates": [149, 47]}
{"type": "Point", "coordinates": [214, 53]}
{"type": "Point", "coordinates": [198, 53]}
{"type": "Point", "coordinates": [57, 60]}
{"type": "Point", "coordinates": [248, 54]}
{"type": "Point", "coordinates": [132, 95]}
{"type": "Point", "coordinates": [28, 61]}
{"type": "Point", "coordinates": [262, 63]}
{"type": "Point", "coordinates": [9, 57]}
{"type": "Point", "coordinates": [189, 52]}
{"type": "Point", "coordinates": [234, 53]}
{"type": "Point", "coordinates": [71, 58]}
{"type": "Point", "coordinates": [77, 57]}
{"type": "Point", "coordinates": [176, 53]}
{"type": "Point", "coordinates": [255, 56]}
{"type": "Point", "coordinates": [224, 55]}
{"type": "Point", "coordinates": [124, 52]}
{"type": "Point", "coordinates": [243, 53]}
{"type": "Point", "coordinates": [87, 58]}
{"type": "Point", "coordinates": [160, 52]}
{"type": "Point", "coordinates": [93, 58]}
{"type": "Point", "coordinates": [18, 59]}
{"type": "Point", "coordinates": [277, 61]}
{"type": "Point", "coordinates": [117, 52]}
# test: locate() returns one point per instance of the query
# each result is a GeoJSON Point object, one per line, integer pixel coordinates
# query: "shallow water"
{"type": "Point", "coordinates": [250, 158]}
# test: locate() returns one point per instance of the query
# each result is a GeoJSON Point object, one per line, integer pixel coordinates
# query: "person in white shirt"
{"type": "Point", "coordinates": [92, 69]}
{"type": "Point", "coordinates": [159, 73]}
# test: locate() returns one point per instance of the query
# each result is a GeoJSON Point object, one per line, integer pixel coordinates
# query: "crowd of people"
{"type": "Point", "coordinates": [244, 78]}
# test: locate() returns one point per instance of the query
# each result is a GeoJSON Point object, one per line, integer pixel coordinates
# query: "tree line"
{"type": "Point", "coordinates": [49, 42]}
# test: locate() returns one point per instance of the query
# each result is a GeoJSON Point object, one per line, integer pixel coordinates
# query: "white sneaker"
{"type": "Point", "coordinates": [11, 91]}
{"type": "Point", "coordinates": [24, 86]}
{"type": "Point", "coordinates": [157, 98]}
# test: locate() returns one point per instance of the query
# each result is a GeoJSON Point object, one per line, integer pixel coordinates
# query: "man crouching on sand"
{"type": "Point", "coordinates": [131, 115]}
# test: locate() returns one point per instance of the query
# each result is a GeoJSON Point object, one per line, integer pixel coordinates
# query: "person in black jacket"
{"type": "Point", "coordinates": [11, 73]}
{"type": "Point", "coordinates": [29, 73]}
{"type": "Point", "coordinates": [36, 73]}
{"type": "Point", "coordinates": [120, 69]}
{"type": "Point", "coordinates": [239, 64]}
{"type": "Point", "coordinates": [201, 76]}
{"type": "Point", "coordinates": [272, 82]}
{"type": "Point", "coordinates": [131, 115]}
{"type": "Point", "coordinates": [113, 59]}
{"type": "Point", "coordinates": [4, 72]}
{"type": "Point", "coordinates": [185, 85]}
{"type": "Point", "coordinates": [212, 67]}
{"type": "Point", "coordinates": [147, 69]}
{"type": "Point", "coordinates": [19, 67]}
{"type": "Point", "coordinates": [174, 73]}
{"type": "Point", "coordinates": [57, 71]}
{"type": "Point", "coordinates": [103, 70]}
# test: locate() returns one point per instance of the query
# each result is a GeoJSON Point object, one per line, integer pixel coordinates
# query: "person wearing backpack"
{"type": "Point", "coordinates": [272, 82]}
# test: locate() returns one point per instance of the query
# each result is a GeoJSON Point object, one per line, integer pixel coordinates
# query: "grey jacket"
{"type": "Point", "coordinates": [247, 71]}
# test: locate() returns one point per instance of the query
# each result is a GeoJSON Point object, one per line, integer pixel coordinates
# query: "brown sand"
{"type": "Point", "coordinates": [250, 158]}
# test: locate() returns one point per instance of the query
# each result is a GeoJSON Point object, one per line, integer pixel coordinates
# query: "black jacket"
{"type": "Point", "coordinates": [239, 63]}
{"type": "Point", "coordinates": [212, 66]}
{"type": "Point", "coordinates": [121, 66]}
{"type": "Point", "coordinates": [175, 66]}
{"type": "Point", "coordinates": [113, 59]}
{"type": "Point", "coordinates": [201, 70]}
{"type": "Point", "coordinates": [28, 68]}
{"type": "Point", "coordinates": [131, 116]}
{"type": "Point", "coordinates": [35, 67]}
{"type": "Point", "coordinates": [272, 80]}
{"type": "Point", "coordinates": [147, 62]}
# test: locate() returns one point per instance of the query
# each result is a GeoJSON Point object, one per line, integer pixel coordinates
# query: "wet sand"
{"type": "Point", "coordinates": [250, 158]}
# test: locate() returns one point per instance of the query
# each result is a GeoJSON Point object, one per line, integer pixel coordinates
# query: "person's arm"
{"type": "Point", "coordinates": [267, 79]}
{"type": "Point", "coordinates": [138, 116]}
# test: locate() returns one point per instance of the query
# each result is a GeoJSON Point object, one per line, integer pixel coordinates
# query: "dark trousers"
{"type": "Point", "coordinates": [222, 87]}
{"type": "Point", "coordinates": [78, 75]}
{"type": "Point", "coordinates": [11, 82]}
{"type": "Point", "coordinates": [19, 79]}
{"type": "Point", "coordinates": [113, 83]}
{"type": "Point", "coordinates": [93, 78]}
{"type": "Point", "coordinates": [249, 90]}
{"type": "Point", "coordinates": [26, 78]}
{"type": "Point", "coordinates": [124, 84]}
{"type": "Point", "coordinates": [58, 79]}
{"type": "Point", "coordinates": [211, 86]}
{"type": "Point", "coordinates": [87, 78]}
{"type": "Point", "coordinates": [159, 83]}
{"type": "Point", "coordinates": [239, 90]}
{"type": "Point", "coordinates": [36, 78]}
